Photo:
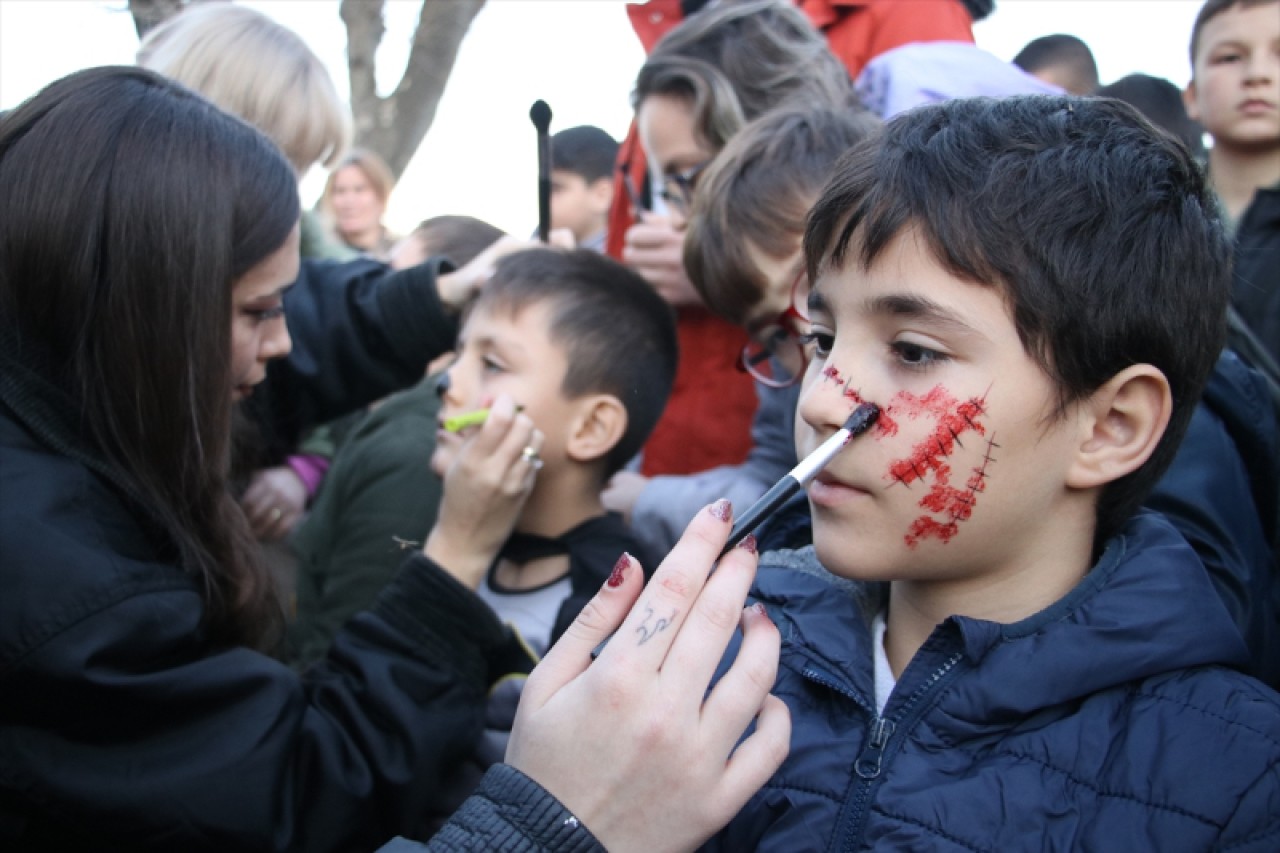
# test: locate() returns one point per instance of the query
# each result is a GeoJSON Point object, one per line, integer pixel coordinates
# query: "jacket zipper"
{"type": "Point", "coordinates": [870, 762]}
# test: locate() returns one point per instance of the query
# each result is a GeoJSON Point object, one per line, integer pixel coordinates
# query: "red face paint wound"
{"type": "Point", "coordinates": [885, 425]}
{"type": "Point", "coordinates": [930, 454]}
{"type": "Point", "coordinates": [953, 420]}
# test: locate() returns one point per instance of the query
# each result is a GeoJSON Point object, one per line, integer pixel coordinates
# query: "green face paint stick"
{"type": "Point", "coordinates": [460, 422]}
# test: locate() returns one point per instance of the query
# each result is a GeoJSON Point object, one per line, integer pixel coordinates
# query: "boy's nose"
{"type": "Point", "coordinates": [823, 402]}
{"type": "Point", "coordinates": [1263, 67]}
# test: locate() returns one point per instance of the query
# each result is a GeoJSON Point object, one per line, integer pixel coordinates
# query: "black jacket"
{"type": "Point", "coordinates": [1256, 293]}
{"type": "Point", "coordinates": [122, 726]}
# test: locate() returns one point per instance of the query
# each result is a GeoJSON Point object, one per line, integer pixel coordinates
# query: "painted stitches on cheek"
{"type": "Point", "coordinates": [953, 419]}
{"type": "Point", "coordinates": [885, 425]}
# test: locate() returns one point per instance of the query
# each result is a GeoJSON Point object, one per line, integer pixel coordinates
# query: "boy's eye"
{"type": "Point", "coordinates": [491, 365]}
{"type": "Point", "coordinates": [820, 341]}
{"type": "Point", "coordinates": [915, 356]}
{"type": "Point", "coordinates": [1223, 58]}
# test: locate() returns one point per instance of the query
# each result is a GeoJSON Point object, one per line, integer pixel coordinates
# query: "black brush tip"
{"type": "Point", "coordinates": [862, 419]}
{"type": "Point", "coordinates": [540, 115]}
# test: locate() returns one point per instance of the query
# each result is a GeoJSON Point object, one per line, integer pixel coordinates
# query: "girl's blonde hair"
{"type": "Point", "coordinates": [256, 69]}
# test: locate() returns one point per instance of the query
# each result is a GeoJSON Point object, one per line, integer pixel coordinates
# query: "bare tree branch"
{"type": "Point", "coordinates": [363, 20]}
{"type": "Point", "coordinates": [395, 125]}
{"type": "Point", "coordinates": [149, 13]}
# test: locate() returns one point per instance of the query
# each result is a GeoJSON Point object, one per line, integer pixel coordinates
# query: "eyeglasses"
{"type": "Point", "coordinates": [776, 356]}
{"type": "Point", "coordinates": [677, 189]}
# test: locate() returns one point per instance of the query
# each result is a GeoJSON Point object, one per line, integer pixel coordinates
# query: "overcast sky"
{"type": "Point", "coordinates": [580, 56]}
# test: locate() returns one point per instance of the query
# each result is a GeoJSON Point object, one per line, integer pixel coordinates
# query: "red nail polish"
{"type": "Point", "coordinates": [748, 543]}
{"type": "Point", "coordinates": [721, 509]}
{"type": "Point", "coordinates": [760, 610]}
{"type": "Point", "coordinates": [619, 571]}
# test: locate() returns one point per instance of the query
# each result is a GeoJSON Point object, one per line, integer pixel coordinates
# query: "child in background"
{"type": "Point", "coordinates": [592, 406]}
{"type": "Point", "coordinates": [1235, 95]}
{"type": "Point", "coordinates": [586, 350]}
{"type": "Point", "coordinates": [582, 183]}
{"type": "Point", "coordinates": [1061, 60]}
{"type": "Point", "coordinates": [379, 494]}
{"type": "Point", "coordinates": [1161, 102]}
{"type": "Point", "coordinates": [1006, 654]}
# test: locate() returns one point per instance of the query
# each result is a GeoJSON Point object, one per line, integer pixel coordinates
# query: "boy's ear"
{"type": "Point", "coordinates": [1189, 101]}
{"type": "Point", "coordinates": [601, 192]}
{"type": "Point", "coordinates": [599, 425]}
{"type": "Point", "coordinates": [1121, 424]}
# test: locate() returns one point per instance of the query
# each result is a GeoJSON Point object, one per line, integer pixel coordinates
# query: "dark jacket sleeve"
{"type": "Point", "coordinates": [360, 331]}
{"type": "Point", "coordinates": [509, 812]}
{"type": "Point", "coordinates": [132, 729]}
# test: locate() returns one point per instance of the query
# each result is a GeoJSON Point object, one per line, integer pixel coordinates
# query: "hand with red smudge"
{"type": "Point", "coordinates": [622, 492]}
{"type": "Point", "coordinates": [632, 744]}
{"type": "Point", "coordinates": [655, 249]}
{"type": "Point", "coordinates": [485, 490]}
{"type": "Point", "coordinates": [274, 502]}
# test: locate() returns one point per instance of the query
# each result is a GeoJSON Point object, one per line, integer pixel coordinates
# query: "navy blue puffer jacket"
{"type": "Point", "coordinates": [1105, 722]}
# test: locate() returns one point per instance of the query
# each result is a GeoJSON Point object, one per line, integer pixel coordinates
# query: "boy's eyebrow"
{"type": "Point", "coordinates": [489, 342]}
{"type": "Point", "coordinates": [919, 308]}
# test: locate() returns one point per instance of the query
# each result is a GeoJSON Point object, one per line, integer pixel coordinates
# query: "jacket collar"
{"type": "Point", "coordinates": [1146, 608]}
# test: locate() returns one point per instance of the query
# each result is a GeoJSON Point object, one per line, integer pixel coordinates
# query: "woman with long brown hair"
{"type": "Point", "coordinates": [146, 239]}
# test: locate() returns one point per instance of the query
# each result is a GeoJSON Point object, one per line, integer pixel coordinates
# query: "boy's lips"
{"type": "Point", "coordinates": [828, 490]}
{"type": "Point", "coordinates": [1254, 106]}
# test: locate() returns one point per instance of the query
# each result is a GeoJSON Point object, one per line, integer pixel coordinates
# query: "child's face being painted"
{"type": "Point", "coordinates": [500, 352]}
{"type": "Point", "coordinates": [964, 468]}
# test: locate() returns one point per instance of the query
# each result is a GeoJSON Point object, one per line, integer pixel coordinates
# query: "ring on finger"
{"type": "Point", "coordinates": [276, 513]}
{"type": "Point", "coordinates": [531, 456]}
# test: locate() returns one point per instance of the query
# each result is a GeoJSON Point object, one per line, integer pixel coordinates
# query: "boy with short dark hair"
{"type": "Point", "coordinates": [582, 183]}
{"type": "Point", "coordinates": [1005, 655]}
{"type": "Point", "coordinates": [1235, 95]}
{"type": "Point", "coordinates": [1062, 60]}
{"type": "Point", "coordinates": [606, 357]}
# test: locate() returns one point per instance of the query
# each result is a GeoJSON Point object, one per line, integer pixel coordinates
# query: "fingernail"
{"type": "Point", "coordinates": [748, 543]}
{"type": "Point", "coordinates": [619, 571]}
{"type": "Point", "coordinates": [721, 509]}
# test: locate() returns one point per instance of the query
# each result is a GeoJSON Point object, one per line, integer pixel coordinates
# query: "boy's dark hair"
{"type": "Point", "coordinates": [585, 150]}
{"type": "Point", "coordinates": [758, 191]}
{"type": "Point", "coordinates": [1161, 102]}
{"type": "Point", "coordinates": [1064, 51]}
{"type": "Point", "coordinates": [458, 238]}
{"type": "Point", "coordinates": [1211, 9]}
{"type": "Point", "coordinates": [618, 334]}
{"type": "Point", "coordinates": [1101, 233]}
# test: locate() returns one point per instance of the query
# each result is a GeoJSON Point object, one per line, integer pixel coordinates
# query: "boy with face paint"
{"type": "Point", "coordinates": [561, 369]}
{"type": "Point", "coordinates": [998, 650]}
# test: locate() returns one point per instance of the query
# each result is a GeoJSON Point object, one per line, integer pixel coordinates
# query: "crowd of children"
{"type": "Point", "coordinates": [1035, 606]}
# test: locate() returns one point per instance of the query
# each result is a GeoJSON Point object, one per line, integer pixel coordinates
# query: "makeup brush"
{"type": "Point", "coordinates": [795, 480]}
{"type": "Point", "coordinates": [540, 115]}
{"type": "Point", "coordinates": [801, 475]}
